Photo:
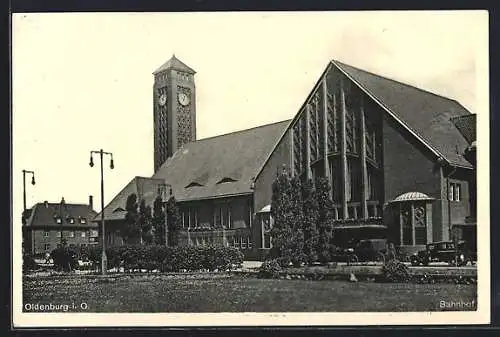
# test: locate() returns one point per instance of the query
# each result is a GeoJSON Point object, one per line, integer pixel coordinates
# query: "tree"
{"type": "Point", "coordinates": [174, 222]}
{"type": "Point", "coordinates": [286, 210]}
{"type": "Point", "coordinates": [145, 223]}
{"type": "Point", "coordinates": [297, 239]}
{"type": "Point", "coordinates": [310, 223]}
{"type": "Point", "coordinates": [131, 232]}
{"type": "Point", "coordinates": [325, 220]}
{"type": "Point", "coordinates": [158, 221]}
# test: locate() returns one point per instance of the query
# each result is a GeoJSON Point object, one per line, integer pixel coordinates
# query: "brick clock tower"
{"type": "Point", "coordinates": [174, 103]}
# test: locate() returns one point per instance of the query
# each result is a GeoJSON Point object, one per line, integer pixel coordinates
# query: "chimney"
{"type": "Point", "coordinates": [46, 204]}
{"type": "Point", "coordinates": [91, 202]}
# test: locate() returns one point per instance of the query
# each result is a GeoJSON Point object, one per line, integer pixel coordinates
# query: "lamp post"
{"type": "Point", "coordinates": [101, 153]}
{"type": "Point", "coordinates": [62, 205]}
{"type": "Point", "coordinates": [23, 217]}
{"type": "Point", "coordinates": [24, 185]}
{"type": "Point", "coordinates": [162, 192]}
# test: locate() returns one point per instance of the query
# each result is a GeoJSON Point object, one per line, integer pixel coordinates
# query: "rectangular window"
{"type": "Point", "coordinates": [185, 219]}
{"type": "Point", "coordinates": [193, 217]}
{"type": "Point", "coordinates": [223, 216]}
{"type": "Point", "coordinates": [228, 216]}
{"type": "Point", "coordinates": [46, 247]}
{"type": "Point", "coordinates": [455, 193]}
{"type": "Point", "coordinates": [46, 234]}
{"type": "Point", "coordinates": [71, 234]}
{"type": "Point", "coordinates": [249, 243]}
{"type": "Point", "coordinates": [348, 184]}
{"type": "Point", "coordinates": [58, 234]}
{"type": "Point", "coordinates": [94, 233]}
{"type": "Point", "coordinates": [82, 234]}
{"type": "Point", "coordinates": [451, 192]}
{"type": "Point", "coordinates": [368, 189]}
{"type": "Point", "coordinates": [217, 217]}
{"type": "Point", "coordinates": [458, 195]}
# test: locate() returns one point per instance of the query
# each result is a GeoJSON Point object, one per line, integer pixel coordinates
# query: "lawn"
{"type": "Point", "coordinates": [226, 293]}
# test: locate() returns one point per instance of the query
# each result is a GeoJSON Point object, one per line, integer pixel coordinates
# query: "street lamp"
{"type": "Point", "coordinates": [23, 217]}
{"type": "Point", "coordinates": [101, 153]}
{"type": "Point", "coordinates": [24, 185]}
{"type": "Point", "coordinates": [164, 191]}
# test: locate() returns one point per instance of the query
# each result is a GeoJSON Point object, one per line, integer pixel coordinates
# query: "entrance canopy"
{"type": "Point", "coordinates": [412, 196]}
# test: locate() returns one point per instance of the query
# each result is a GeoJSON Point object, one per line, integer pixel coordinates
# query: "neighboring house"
{"type": "Point", "coordinates": [394, 156]}
{"type": "Point", "coordinates": [49, 224]}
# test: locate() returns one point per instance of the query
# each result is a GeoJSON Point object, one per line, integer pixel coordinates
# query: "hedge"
{"type": "Point", "coordinates": [165, 259]}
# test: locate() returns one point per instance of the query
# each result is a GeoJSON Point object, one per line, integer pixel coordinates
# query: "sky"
{"type": "Point", "coordinates": [83, 81]}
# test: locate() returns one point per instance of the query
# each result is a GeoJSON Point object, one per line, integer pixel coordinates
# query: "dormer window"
{"type": "Point", "coordinates": [83, 220]}
{"type": "Point", "coordinates": [58, 220]}
{"type": "Point", "coordinates": [226, 180]}
{"type": "Point", "coordinates": [119, 209]}
{"type": "Point", "coordinates": [192, 184]}
{"type": "Point", "coordinates": [71, 220]}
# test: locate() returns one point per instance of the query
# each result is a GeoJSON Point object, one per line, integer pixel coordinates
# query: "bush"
{"type": "Point", "coordinates": [395, 271]}
{"type": "Point", "coordinates": [28, 262]}
{"type": "Point", "coordinates": [270, 269]}
{"type": "Point", "coordinates": [65, 258]}
{"type": "Point", "coordinates": [166, 259]}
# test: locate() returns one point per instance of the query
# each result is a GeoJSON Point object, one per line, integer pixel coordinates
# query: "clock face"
{"type": "Point", "coordinates": [183, 99]}
{"type": "Point", "coordinates": [163, 99]}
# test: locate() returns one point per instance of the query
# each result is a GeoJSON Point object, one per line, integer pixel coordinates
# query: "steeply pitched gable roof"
{"type": "Point", "coordinates": [175, 63]}
{"type": "Point", "coordinates": [43, 215]}
{"type": "Point", "coordinates": [202, 165]}
{"type": "Point", "coordinates": [145, 188]}
{"type": "Point", "coordinates": [427, 115]}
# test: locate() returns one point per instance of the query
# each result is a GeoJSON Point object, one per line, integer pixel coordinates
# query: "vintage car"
{"type": "Point", "coordinates": [362, 251]}
{"type": "Point", "coordinates": [457, 254]}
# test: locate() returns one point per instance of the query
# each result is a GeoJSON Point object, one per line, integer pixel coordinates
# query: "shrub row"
{"type": "Point", "coordinates": [393, 271]}
{"type": "Point", "coordinates": [154, 257]}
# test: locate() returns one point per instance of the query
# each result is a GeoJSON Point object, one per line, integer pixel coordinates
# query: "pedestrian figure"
{"type": "Point", "coordinates": [391, 252]}
{"type": "Point", "coordinates": [47, 257]}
